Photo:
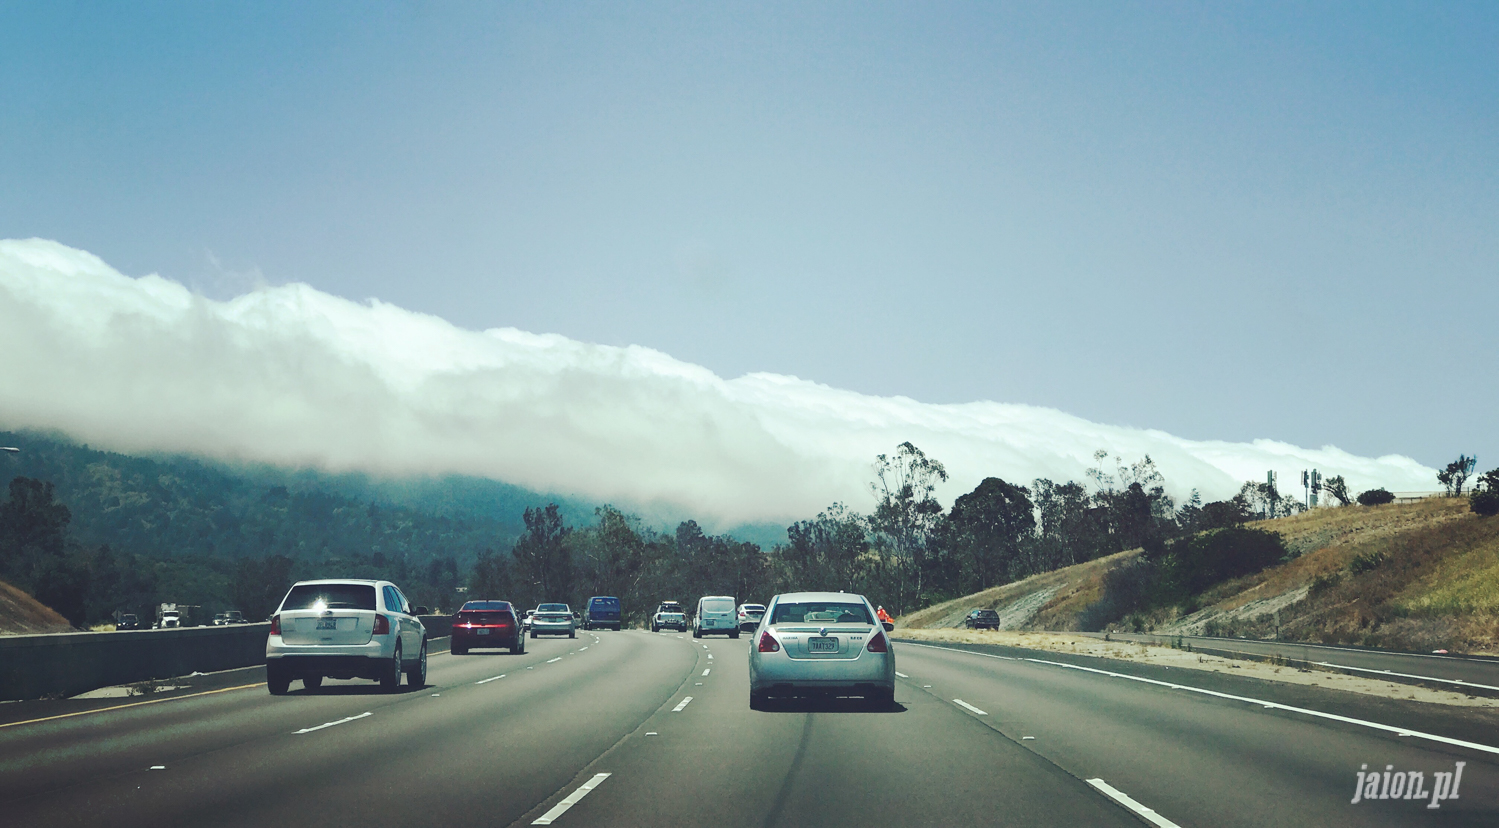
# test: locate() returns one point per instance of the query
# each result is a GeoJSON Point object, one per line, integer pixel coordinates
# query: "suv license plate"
{"type": "Point", "coordinates": [482, 631]}
{"type": "Point", "coordinates": [327, 623]}
{"type": "Point", "coordinates": [822, 645]}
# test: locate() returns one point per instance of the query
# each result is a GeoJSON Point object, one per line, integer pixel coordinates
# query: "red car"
{"type": "Point", "coordinates": [487, 624]}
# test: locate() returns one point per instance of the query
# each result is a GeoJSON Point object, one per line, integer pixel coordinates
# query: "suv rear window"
{"type": "Point", "coordinates": [606, 603]}
{"type": "Point", "coordinates": [718, 605]}
{"type": "Point", "coordinates": [330, 596]}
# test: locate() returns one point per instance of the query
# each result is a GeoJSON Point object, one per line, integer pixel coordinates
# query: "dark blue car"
{"type": "Point", "coordinates": [602, 612]}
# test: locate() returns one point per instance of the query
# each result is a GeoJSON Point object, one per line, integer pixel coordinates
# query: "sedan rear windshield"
{"type": "Point", "coordinates": [478, 617]}
{"type": "Point", "coordinates": [330, 596]}
{"type": "Point", "coordinates": [819, 612]}
{"type": "Point", "coordinates": [485, 605]}
{"type": "Point", "coordinates": [553, 608]}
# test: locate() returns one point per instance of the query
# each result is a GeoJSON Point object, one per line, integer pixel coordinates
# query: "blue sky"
{"type": "Point", "coordinates": [1226, 221]}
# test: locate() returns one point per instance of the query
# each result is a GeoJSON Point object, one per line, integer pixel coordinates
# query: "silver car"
{"type": "Point", "coordinates": [553, 619]}
{"type": "Point", "coordinates": [822, 644]}
{"type": "Point", "coordinates": [345, 629]}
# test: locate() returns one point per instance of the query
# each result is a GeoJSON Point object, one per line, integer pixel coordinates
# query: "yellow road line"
{"type": "Point", "coordinates": [134, 704]}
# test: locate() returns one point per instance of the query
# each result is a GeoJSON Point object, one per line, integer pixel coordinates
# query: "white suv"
{"type": "Point", "coordinates": [345, 629]}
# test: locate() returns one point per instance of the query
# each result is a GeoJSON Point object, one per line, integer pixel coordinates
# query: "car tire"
{"type": "Point", "coordinates": [417, 675]}
{"type": "Point", "coordinates": [734, 634]}
{"type": "Point", "coordinates": [572, 633]}
{"type": "Point", "coordinates": [391, 680]}
{"type": "Point", "coordinates": [312, 682]}
{"type": "Point", "coordinates": [277, 680]}
{"type": "Point", "coordinates": [533, 633]}
{"type": "Point", "coordinates": [519, 647]}
{"type": "Point", "coordinates": [697, 633]}
{"type": "Point", "coordinates": [883, 699]}
{"type": "Point", "coordinates": [758, 701]}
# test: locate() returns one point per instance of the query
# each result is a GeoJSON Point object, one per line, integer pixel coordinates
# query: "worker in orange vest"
{"type": "Point", "coordinates": [884, 616]}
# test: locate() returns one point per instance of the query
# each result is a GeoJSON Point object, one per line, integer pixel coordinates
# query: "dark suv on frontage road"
{"type": "Point", "coordinates": [982, 619]}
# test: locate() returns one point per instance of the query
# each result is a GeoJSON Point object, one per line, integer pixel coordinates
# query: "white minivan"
{"type": "Point", "coordinates": [715, 614]}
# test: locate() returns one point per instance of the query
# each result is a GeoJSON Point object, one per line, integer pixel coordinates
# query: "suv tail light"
{"type": "Point", "coordinates": [382, 625]}
{"type": "Point", "coordinates": [877, 643]}
{"type": "Point", "coordinates": [276, 624]}
{"type": "Point", "coordinates": [768, 644]}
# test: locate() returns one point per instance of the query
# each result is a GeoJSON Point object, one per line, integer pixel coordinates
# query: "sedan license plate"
{"type": "Point", "coordinates": [327, 623]}
{"type": "Point", "coordinates": [822, 645]}
{"type": "Point", "coordinates": [482, 632]}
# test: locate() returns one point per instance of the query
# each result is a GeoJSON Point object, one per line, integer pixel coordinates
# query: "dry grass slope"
{"type": "Point", "coordinates": [20, 614]}
{"type": "Point", "coordinates": [1418, 576]}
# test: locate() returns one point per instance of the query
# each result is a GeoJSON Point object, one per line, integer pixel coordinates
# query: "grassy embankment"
{"type": "Point", "coordinates": [20, 614]}
{"type": "Point", "coordinates": [1419, 576]}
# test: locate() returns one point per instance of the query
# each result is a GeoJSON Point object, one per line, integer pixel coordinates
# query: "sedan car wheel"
{"type": "Point", "coordinates": [312, 682]}
{"type": "Point", "coordinates": [277, 680]}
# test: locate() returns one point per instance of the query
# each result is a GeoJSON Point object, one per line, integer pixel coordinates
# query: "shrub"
{"type": "Point", "coordinates": [1323, 583]}
{"type": "Point", "coordinates": [1189, 565]}
{"type": "Point", "coordinates": [1365, 561]}
{"type": "Point", "coordinates": [1484, 502]}
{"type": "Point", "coordinates": [1375, 497]}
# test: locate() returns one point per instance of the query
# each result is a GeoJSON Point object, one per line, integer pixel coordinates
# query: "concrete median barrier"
{"type": "Point", "coordinates": [65, 664]}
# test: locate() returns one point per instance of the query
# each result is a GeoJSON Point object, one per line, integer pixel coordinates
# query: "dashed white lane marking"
{"type": "Point", "coordinates": [330, 724]}
{"type": "Point", "coordinates": [902, 675]}
{"type": "Point", "coordinates": [682, 704]}
{"type": "Point", "coordinates": [710, 656]}
{"type": "Point", "coordinates": [1268, 705]}
{"type": "Point", "coordinates": [1124, 799]}
{"type": "Point", "coordinates": [488, 680]}
{"type": "Point", "coordinates": [572, 799]}
{"type": "Point", "coordinates": [581, 649]}
{"type": "Point", "coordinates": [705, 672]}
{"type": "Point", "coordinates": [970, 708]}
{"type": "Point", "coordinates": [553, 660]}
{"type": "Point", "coordinates": [158, 767]}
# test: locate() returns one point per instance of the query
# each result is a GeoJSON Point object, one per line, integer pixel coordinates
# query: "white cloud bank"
{"type": "Point", "coordinates": [291, 376]}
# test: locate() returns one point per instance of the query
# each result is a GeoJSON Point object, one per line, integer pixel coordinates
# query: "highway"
{"type": "Point", "coordinates": [640, 729]}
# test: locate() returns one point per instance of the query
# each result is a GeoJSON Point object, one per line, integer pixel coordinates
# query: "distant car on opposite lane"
{"type": "Point", "coordinates": [553, 619]}
{"type": "Point", "coordinates": [486, 624]}
{"type": "Point", "coordinates": [128, 621]}
{"type": "Point", "coordinates": [982, 619]}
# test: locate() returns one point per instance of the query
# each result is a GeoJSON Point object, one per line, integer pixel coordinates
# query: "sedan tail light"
{"type": "Point", "coordinates": [275, 625]}
{"type": "Point", "coordinates": [768, 644]}
{"type": "Point", "coordinates": [382, 625]}
{"type": "Point", "coordinates": [877, 643]}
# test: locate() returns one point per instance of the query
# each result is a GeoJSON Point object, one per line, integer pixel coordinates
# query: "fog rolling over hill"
{"type": "Point", "coordinates": [294, 377]}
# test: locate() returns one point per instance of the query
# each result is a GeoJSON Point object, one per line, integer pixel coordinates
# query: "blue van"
{"type": "Point", "coordinates": [602, 612]}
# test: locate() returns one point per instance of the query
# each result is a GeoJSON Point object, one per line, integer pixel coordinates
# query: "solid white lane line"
{"type": "Point", "coordinates": [902, 675]}
{"type": "Point", "coordinates": [970, 708]}
{"type": "Point", "coordinates": [1268, 705]}
{"type": "Point", "coordinates": [572, 799]}
{"type": "Point", "coordinates": [330, 724]}
{"type": "Point", "coordinates": [1458, 682]}
{"type": "Point", "coordinates": [558, 658]}
{"type": "Point", "coordinates": [684, 703]}
{"type": "Point", "coordinates": [488, 680]}
{"type": "Point", "coordinates": [705, 672]}
{"type": "Point", "coordinates": [1124, 799]}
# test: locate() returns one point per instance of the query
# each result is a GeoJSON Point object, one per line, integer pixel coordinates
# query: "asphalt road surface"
{"type": "Point", "coordinates": [600, 731]}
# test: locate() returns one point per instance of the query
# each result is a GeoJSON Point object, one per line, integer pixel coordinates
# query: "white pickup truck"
{"type": "Point", "coordinates": [669, 615]}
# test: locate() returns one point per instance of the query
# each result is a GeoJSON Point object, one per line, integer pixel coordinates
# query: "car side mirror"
{"type": "Point", "coordinates": [422, 611]}
{"type": "Point", "coordinates": [889, 627]}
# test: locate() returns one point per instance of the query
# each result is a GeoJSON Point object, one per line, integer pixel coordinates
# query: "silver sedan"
{"type": "Point", "coordinates": [553, 619]}
{"type": "Point", "coordinates": [821, 643]}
